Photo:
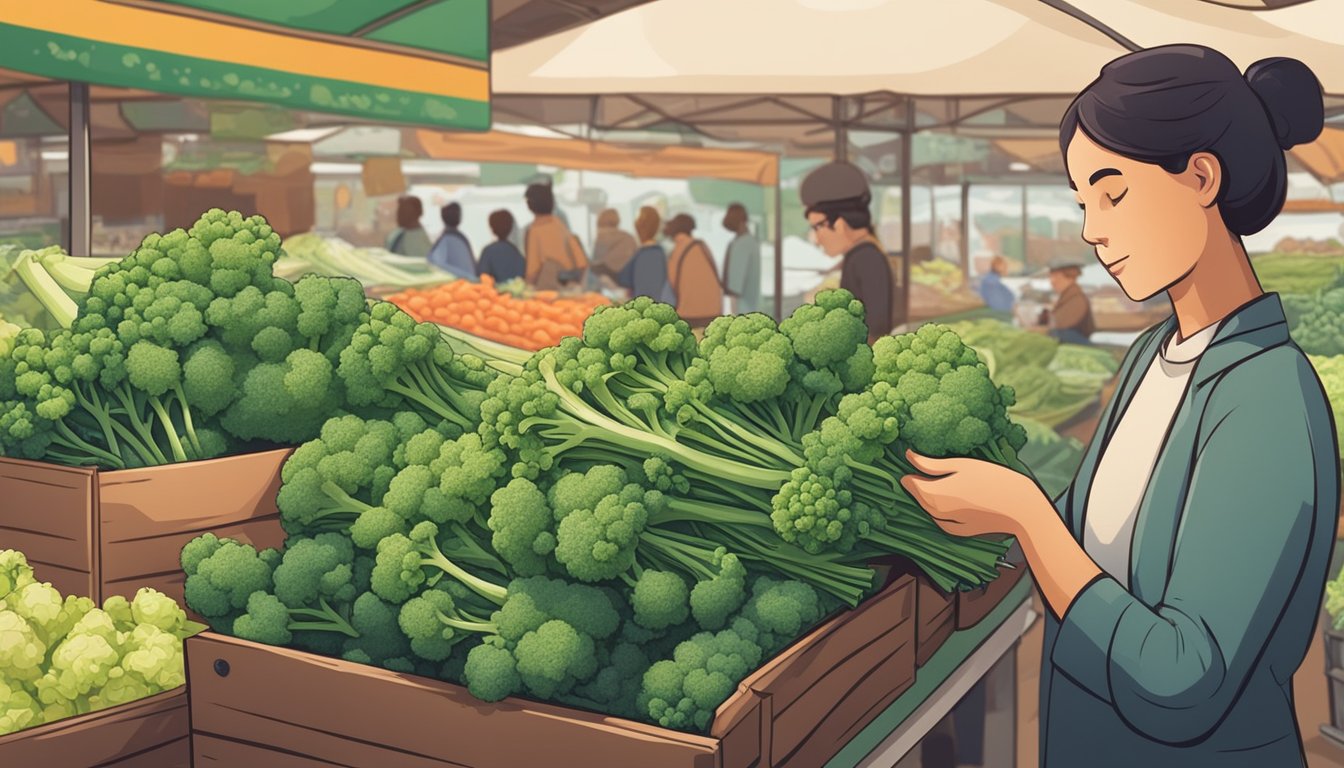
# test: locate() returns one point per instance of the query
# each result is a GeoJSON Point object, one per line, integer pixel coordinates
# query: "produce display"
{"type": "Point", "coordinates": [1054, 382]}
{"type": "Point", "coordinates": [333, 257]}
{"type": "Point", "coordinates": [1317, 321]}
{"type": "Point", "coordinates": [937, 273]}
{"type": "Point", "coordinates": [1296, 273]}
{"type": "Point", "coordinates": [63, 656]}
{"type": "Point", "coordinates": [1334, 601]}
{"type": "Point", "coordinates": [191, 348]}
{"type": "Point", "coordinates": [530, 322]}
{"type": "Point", "coordinates": [637, 519]}
{"type": "Point", "coordinates": [1052, 458]}
{"type": "Point", "coordinates": [42, 288]}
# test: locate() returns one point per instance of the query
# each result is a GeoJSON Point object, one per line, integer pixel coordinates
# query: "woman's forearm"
{"type": "Point", "coordinates": [1061, 567]}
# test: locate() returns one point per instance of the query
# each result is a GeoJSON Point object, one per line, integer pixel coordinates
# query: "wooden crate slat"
{"type": "Point", "coordinates": [102, 738]}
{"type": "Point", "coordinates": [129, 559]}
{"type": "Point", "coordinates": [303, 702]}
{"type": "Point", "coordinates": [149, 503]}
{"type": "Point", "coordinates": [44, 513]}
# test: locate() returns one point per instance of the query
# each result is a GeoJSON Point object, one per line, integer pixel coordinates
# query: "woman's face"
{"type": "Point", "coordinates": [1148, 226]}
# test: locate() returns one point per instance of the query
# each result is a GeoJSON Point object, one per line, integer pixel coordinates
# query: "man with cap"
{"type": "Point", "coordinates": [836, 200]}
{"type": "Point", "coordinates": [1071, 318]}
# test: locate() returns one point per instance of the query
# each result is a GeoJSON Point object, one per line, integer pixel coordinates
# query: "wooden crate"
{"type": "Point", "coordinates": [97, 533]}
{"type": "Point", "coordinates": [975, 605]}
{"type": "Point", "coordinates": [254, 704]}
{"type": "Point", "coordinates": [935, 610]}
{"type": "Point", "coordinates": [151, 733]}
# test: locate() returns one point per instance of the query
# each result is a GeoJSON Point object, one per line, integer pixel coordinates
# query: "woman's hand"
{"type": "Point", "coordinates": [970, 497]}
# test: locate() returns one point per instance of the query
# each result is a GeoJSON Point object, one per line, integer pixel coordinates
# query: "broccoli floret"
{"type": "Point", "coordinates": [598, 543]}
{"type": "Point", "coordinates": [434, 624]}
{"type": "Point", "coordinates": [554, 657]}
{"type": "Point", "coordinates": [327, 482]}
{"type": "Point", "coordinates": [683, 692]}
{"type": "Point", "coordinates": [219, 584]}
{"type": "Point", "coordinates": [781, 611]}
{"type": "Point", "coordinates": [660, 600]}
{"type": "Point", "coordinates": [392, 359]}
{"type": "Point", "coordinates": [523, 526]}
{"type": "Point", "coordinates": [379, 639]}
{"type": "Point", "coordinates": [321, 567]}
{"type": "Point", "coordinates": [400, 569]}
{"type": "Point", "coordinates": [491, 672]}
{"type": "Point", "coordinates": [715, 600]}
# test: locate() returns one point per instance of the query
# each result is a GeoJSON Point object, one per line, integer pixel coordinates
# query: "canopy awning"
{"type": "Point", "coordinates": [423, 62]}
{"type": "Point", "coordinates": [967, 48]}
{"type": "Point", "coordinates": [670, 162]}
{"type": "Point", "coordinates": [1325, 156]}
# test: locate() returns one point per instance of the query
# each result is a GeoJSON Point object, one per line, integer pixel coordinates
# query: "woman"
{"type": "Point", "coordinates": [409, 238]}
{"type": "Point", "coordinates": [742, 262]}
{"type": "Point", "coordinates": [646, 272]}
{"type": "Point", "coordinates": [692, 274]}
{"type": "Point", "coordinates": [1183, 569]}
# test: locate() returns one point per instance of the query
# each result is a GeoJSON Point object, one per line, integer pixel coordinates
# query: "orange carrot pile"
{"type": "Point", "coordinates": [532, 323]}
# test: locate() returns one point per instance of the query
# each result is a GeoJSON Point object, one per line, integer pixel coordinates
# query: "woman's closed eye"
{"type": "Point", "coordinates": [1116, 200]}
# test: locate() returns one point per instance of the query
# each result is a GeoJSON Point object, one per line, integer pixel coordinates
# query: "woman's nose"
{"type": "Point", "coordinates": [1091, 235]}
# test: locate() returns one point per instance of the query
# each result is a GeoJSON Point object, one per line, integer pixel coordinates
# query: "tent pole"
{"type": "Point", "coordinates": [966, 227]}
{"type": "Point", "coordinates": [80, 213]}
{"type": "Point", "coordinates": [907, 159]}
{"type": "Point", "coordinates": [1025, 224]}
{"type": "Point", "coordinates": [841, 130]}
{"type": "Point", "coordinates": [779, 248]}
{"type": "Point", "coordinates": [933, 218]}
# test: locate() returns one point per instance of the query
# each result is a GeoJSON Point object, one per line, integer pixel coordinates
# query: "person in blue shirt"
{"type": "Point", "coordinates": [646, 272]}
{"type": "Point", "coordinates": [452, 251]}
{"type": "Point", "coordinates": [993, 292]}
{"type": "Point", "coordinates": [501, 259]}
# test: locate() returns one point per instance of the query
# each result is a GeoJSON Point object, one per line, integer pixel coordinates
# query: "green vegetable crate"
{"type": "Point", "coordinates": [150, 733]}
{"type": "Point", "coordinates": [96, 533]}
{"type": "Point", "coordinates": [254, 704]}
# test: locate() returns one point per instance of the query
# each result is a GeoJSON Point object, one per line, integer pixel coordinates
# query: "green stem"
{"type": "Point", "coordinates": [187, 421]}
{"type": "Point", "coordinates": [328, 620]}
{"type": "Point", "coordinates": [492, 592]}
{"type": "Point", "coordinates": [67, 438]}
{"type": "Point", "coordinates": [469, 626]}
{"type": "Point", "coordinates": [174, 442]}
{"type": "Point", "coordinates": [681, 510]}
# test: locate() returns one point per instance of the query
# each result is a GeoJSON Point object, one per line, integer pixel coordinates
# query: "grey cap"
{"type": "Point", "coordinates": [832, 183]}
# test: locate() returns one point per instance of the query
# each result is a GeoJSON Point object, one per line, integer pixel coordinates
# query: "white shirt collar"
{"type": "Point", "coordinates": [1188, 350]}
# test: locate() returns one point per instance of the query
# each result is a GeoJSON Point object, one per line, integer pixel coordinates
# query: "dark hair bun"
{"type": "Point", "coordinates": [1292, 96]}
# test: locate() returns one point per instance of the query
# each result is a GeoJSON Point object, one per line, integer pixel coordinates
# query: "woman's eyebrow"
{"type": "Point", "coordinates": [1101, 174]}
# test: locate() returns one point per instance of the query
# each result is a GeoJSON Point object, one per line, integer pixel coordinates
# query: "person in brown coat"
{"type": "Point", "coordinates": [692, 274]}
{"type": "Point", "coordinates": [1071, 318]}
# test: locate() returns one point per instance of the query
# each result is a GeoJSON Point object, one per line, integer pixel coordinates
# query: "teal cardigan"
{"type": "Point", "coordinates": [1193, 664]}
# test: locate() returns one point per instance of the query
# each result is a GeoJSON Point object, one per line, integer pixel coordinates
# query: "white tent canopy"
{"type": "Point", "coordinates": [914, 47]}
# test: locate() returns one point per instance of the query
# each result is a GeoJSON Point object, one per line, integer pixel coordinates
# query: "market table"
{"type": "Point", "coordinates": [959, 664]}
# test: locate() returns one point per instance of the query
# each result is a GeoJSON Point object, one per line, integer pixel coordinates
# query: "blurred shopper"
{"type": "Point", "coordinates": [409, 238]}
{"type": "Point", "coordinates": [452, 251]}
{"type": "Point", "coordinates": [501, 259]}
{"type": "Point", "coordinates": [554, 256]}
{"type": "Point", "coordinates": [993, 292]}
{"type": "Point", "coordinates": [836, 200]}
{"type": "Point", "coordinates": [692, 274]}
{"type": "Point", "coordinates": [613, 248]}
{"type": "Point", "coordinates": [646, 272]}
{"type": "Point", "coordinates": [742, 262]}
{"type": "Point", "coordinates": [1070, 320]}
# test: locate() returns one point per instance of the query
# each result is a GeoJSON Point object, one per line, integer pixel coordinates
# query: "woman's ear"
{"type": "Point", "coordinates": [1206, 172]}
